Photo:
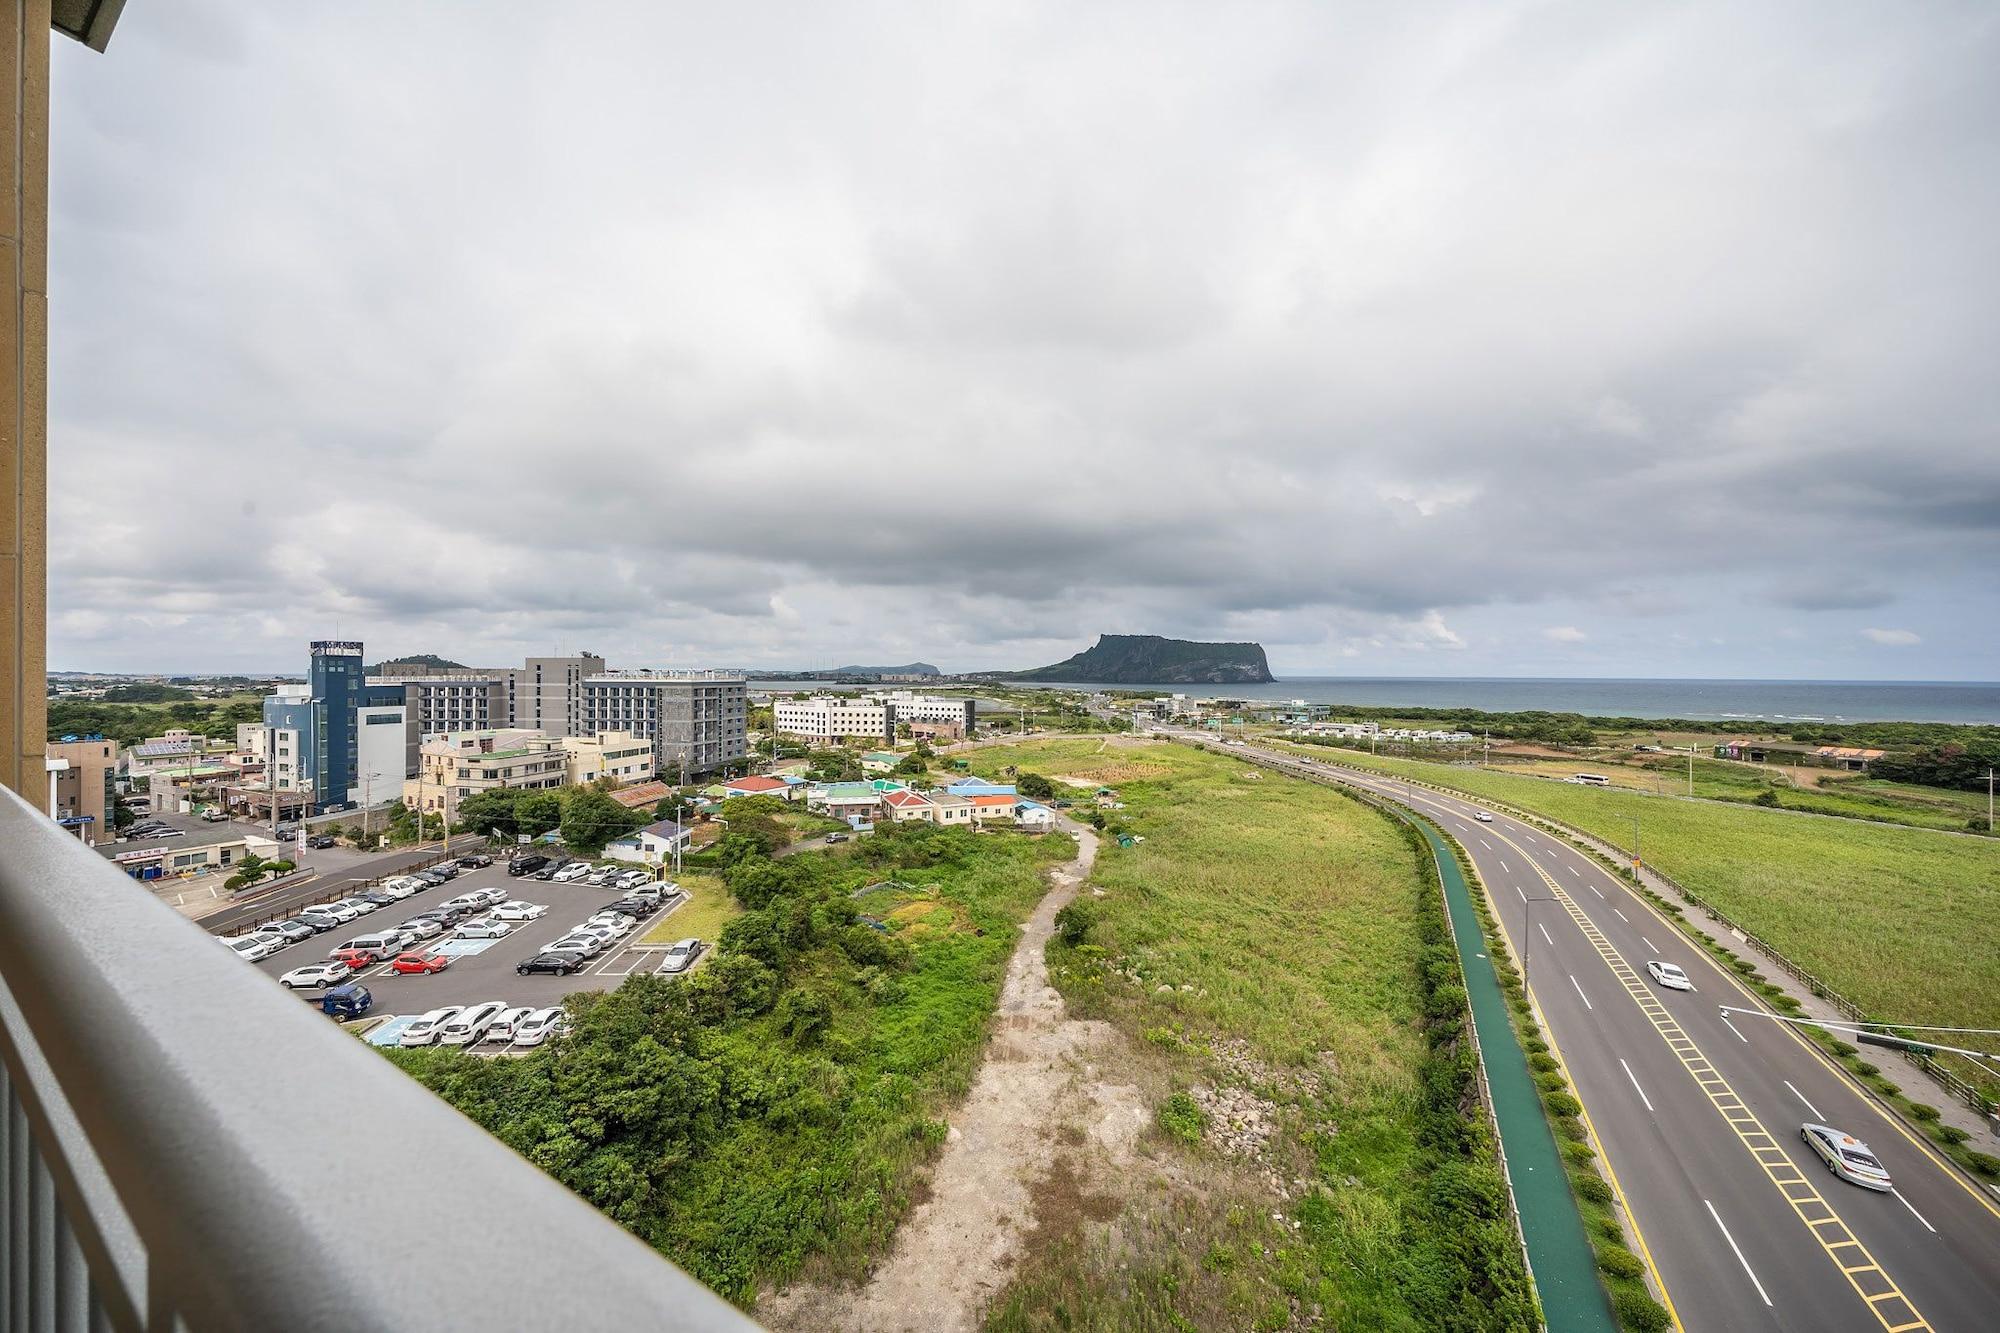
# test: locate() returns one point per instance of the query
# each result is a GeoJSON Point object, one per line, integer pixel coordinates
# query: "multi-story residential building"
{"type": "Point", "coordinates": [443, 702]}
{"type": "Point", "coordinates": [81, 776]}
{"type": "Point", "coordinates": [695, 720]}
{"type": "Point", "coordinates": [176, 751]}
{"type": "Point", "coordinates": [452, 768]}
{"type": "Point", "coordinates": [833, 718]}
{"type": "Point", "coordinates": [546, 693]}
{"type": "Point", "coordinates": [617, 755]}
{"type": "Point", "coordinates": [932, 708]}
{"type": "Point", "coordinates": [338, 737]}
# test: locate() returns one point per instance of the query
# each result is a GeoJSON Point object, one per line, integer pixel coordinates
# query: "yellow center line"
{"type": "Point", "coordinates": [1829, 1231]}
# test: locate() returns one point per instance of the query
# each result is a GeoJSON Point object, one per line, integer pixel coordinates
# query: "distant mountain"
{"type": "Point", "coordinates": [1148, 659]}
{"type": "Point", "coordinates": [908, 669]}
{"type": "Point", "coordinates": [425, 661]}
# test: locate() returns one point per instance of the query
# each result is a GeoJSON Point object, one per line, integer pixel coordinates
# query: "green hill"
{"type": "Point", "coordinates": [1148, 659]}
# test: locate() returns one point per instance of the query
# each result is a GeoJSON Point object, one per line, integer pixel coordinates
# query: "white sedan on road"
{"type": "Point", "coordinates": [1669, 975]}
{"type": "Point", "coordinates": [1482, 816]}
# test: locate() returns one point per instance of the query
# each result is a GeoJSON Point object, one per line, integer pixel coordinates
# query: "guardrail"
{"type": "Point", "coordinates": [1947, 1080]}
{"type": "Point", "coordinates": [185, 1146]}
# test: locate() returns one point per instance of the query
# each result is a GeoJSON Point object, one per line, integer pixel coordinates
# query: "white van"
{"type": "Point", "coordinates": [382, 944]}
{"type": "Point", "coordinates": [471, 1025]}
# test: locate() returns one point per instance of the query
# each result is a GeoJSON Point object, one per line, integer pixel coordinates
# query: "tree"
{"type": "Point", "coordinates": [536, 812]}
{"type": "Point", "coordinates": [913, 765]}
{"type": "Point", "coordinates": [1035, 786]}
{"type": "Point", "coordinates": [489, 812]}
{"type": "Point", "coordinates": [590, 818]}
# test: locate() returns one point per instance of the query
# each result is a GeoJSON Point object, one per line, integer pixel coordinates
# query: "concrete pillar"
{"type": "Point", "coordinates": [24, 346]}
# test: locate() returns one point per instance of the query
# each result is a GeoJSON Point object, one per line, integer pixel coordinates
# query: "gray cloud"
{"type": "Point", "coordinates": [813, 334]}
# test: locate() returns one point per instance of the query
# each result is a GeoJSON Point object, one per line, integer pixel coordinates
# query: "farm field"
{"type": "Point", "coordinates": [1905, 922]}
{"type": "Point", "coordinates": [1258, 947]}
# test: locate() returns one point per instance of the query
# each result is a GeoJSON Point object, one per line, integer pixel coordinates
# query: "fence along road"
{"type": "Point", "coordinates": [1700, 1119]}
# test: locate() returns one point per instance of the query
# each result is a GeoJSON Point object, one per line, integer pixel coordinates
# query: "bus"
{"type": "Point", "coordinates": [1591, 779]}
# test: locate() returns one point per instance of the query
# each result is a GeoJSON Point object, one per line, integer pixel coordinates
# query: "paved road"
{"type": "Point", "coordinates": [1699, 1117]}
{"type": "Point", "coordinates": [331, 882]}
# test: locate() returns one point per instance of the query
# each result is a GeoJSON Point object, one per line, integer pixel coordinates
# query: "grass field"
{"type": "Point", "coordinates": [1903, 921]}
{"type": "Point", "coordinates": [1262, 942]}
{"type": "Point", "coordinates": [708, 909]}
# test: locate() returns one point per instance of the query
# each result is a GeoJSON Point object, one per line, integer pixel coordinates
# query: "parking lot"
{"type": "Point", "coordinates": [483, 969]}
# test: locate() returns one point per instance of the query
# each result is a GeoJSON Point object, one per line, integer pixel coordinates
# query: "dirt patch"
{"type": "Point", "coordinates": [1037, 1132]}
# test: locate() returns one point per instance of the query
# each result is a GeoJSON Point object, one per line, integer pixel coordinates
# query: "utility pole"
{"type": "Point", "coordinates": [1989, 798]}
{"type": "Point", "coordinates": [1635, 846]}
{"type": "Point", "coordinates": [1690, 770]}
{"type": "Point", "coordinates": [1486, 755]}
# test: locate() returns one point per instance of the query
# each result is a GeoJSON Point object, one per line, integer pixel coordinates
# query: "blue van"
{"type": "Point", "coordinates": [348, 1000]}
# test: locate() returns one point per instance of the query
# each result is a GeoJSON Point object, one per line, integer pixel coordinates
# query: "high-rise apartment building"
{"type": "Point", "coordinates": [831, 718]}
{"type": "Point", "coordinates": [542, 694]}
{"type": "Point", "coordinates": [341, 738]}
{"type": "Point", "coordinates": [696, 720]}
{"type": "Point", "coordinates": [546, 693]}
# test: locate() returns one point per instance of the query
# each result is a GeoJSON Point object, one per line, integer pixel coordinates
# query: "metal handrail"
{"type": "Point", "coordinates": [274, 1171]}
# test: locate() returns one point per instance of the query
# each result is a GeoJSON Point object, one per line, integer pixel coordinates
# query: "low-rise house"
{"type": "Point", "coordinates": [651, 846]}
{"type": "Point", "coordinates": [994, 807]}
{"type": "Point", "coordinates": [642, 795]}
{"type": "Point", "coordinates": [784, 789]}
{"type": "Point", "coordinates": [618, 755]}
{"type": "Point", "coordinates": [846, 800]}
{"type": "Point", "coordinates": [950, 809]}
{"type": "Point", "coordinates": [980, 787]}
{"type": "Point", "coordinates": [1846, 756]}
{"type": "Point", "coordinates": [904, 805]}
{"type": "Point", "coordinates": [880, 761]}
{"type": "Point", "coordinates": [1034, 817]}
{"type": "Point", "coordinates": [175, 859]}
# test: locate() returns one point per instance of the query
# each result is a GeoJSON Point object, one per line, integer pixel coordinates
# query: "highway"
{"type": "Point", "coordinates": [1698, 1117]}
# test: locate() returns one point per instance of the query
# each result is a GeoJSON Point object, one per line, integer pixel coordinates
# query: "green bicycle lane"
{"type": "Point", "coordinates": [1565, 1268]}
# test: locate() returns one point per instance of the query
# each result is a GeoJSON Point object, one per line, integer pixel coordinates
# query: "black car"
{"type": "Point", "coordinates": [447, 870]}
{"type": "Point", "coordinates": [546, 872]}
{"type": "Point", "coordinates": [450, 916]}
{"type": "Point", "coordinates": [562, 964]}
{"type": "Point", "coordinates": [636, 908]}
{"type": "Point", "coordinates": [474, 861]}
{"type": "Point", "coordinates": [526, 865]}
{"type": "Point", "coordinates": [315, 926]}
{"type": "Point", "coordinates": [431, 877]}
{"type": "Point", "coordinates": [379, 899]}
{"type": "Point", "coordinates": [320, 841]}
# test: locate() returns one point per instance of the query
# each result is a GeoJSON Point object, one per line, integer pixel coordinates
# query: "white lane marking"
{"type": "Point", "coordinates": [1599, 892]}
{"type": "Point", "coordinates": [1913, 1212]}
{"type": "Point", "coordinates": [1626, 919]}
{"type": "Point", "coordinates": [1579, 991]}
{"type": "Point", "coordinates": [1545, 933]}
{"type": "Point", "coordinates": [1817, 1114]}
{"type": "Point", "coordinates": [1504, 866]}
{"type": "Point", "coordinates": [1487, 845]}
{"type": "Point", "coordinates": [1732, 1027]}
{"type": "Point", "coordinates": [1649, 944]}
{"type": "Point", "coordinates": [1635, 1084]}
{"type": "Point", "coordinates": [1517, 889]}
{"type": "Point", "coordinates": [1574, 871]}
{"type": "Point", "coordinates": [1739, 1253]}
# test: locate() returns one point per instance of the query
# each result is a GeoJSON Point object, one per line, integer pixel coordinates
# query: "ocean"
{"type": "Point", "coordinates": [1776, 701]}
{"type": "Point", "coordinates": [1708, 700]}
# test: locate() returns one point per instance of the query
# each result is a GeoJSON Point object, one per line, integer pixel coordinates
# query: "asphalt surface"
{"type": "Point", "coordinates": [1744, 1231]}
{"type": "Point", "coordinates": [335, 880]}
{"type": "Point", "coordinates": [488, 974]}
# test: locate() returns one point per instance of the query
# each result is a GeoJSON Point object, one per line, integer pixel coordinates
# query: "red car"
{"type": "Point", "coordinates": [356, 959]}
{"type": "Point", "coordinates": [421, 962]}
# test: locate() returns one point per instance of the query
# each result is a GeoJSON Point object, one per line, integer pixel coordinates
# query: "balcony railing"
{"type": "Point", "coordinates": [183, 1145]}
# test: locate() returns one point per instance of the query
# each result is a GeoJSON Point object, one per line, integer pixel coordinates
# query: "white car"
{"type": "Point", "coordinates": [1847, 1157]}
{"type": "Point", "coordinates": [316, 976]}
{"type": "Point", "coordinates": [632, 879]}
{"type": "Point", "coordinates": [471, 1025]}
{"type": "Point", "coordinates": [422, 928]}
{"type": "Point", "coordinates": [579, 942]}
{"type": "Point", "coordinates": [1482, 816]}
{"type": "Point", "coordinates": [401, 888]}
{"type": "Point", "coordinates": [492, 896]}
{"type": "Point", "coordinates": [361, 906]}
{"type": "Point", "coordinates": [1669, 975]}
{"type": "Point", "coordinates": [520, 911]}
{"type": "Point", "coordinates": [575, 870]}
{"type": "Point", "coordinates": [539, 1026]}
{"type": "Point", "coordinates": [602, 875]}
{"type": "Point", "coordinates": [252, 948]}
{"type": "Point", "coordinates": [616, 924]}
{"type": "Point", "coordinates": [485, 928]}
{"type": "Point", "coordinates": [504, 1026]}
{"type": "Point", "coordinates": [597, 928]}
{"type": "Point", "coordinates": [424, 1032]}
{"type": "Point", "coordinates": [342, 912]}
{"type": "Point", "coordinates": [681, 956]}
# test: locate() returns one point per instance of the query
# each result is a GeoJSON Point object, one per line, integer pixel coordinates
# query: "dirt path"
{"type": "Point", "coordinates": [1035, 1093]}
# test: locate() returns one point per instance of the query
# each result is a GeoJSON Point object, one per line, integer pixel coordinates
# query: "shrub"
{"type": "Point", "coordinates": [1620, 1262]}
{"type": "Point", "coordinates": [1952, 1134]}
{"type": "Point", "coordinates": [233, 883]}
{"type": "Point", "coordinates": [1577, 1154]}
{"type": "Point", "coordinates": [1075, 922]}
{"type": "Point", "coordinates": [1181, 1117]}
{"type": "Point", "coordinates": [1541, 1061]}
{"type": "Point", "coordinates": [1637, 1312]}
{"type": "Point", "coordinates": [1592, 1189]}
{"type": "Point", "coordinates": [1842, 1048]}
{"type": "Point", "coordinates": [1562, 1104]}
{"type": "Point", "coordinates": [1924, 1111]}
{"type": "Point", "coordinates": [1985, 1164]}
{"type": "Point", "coordinates": [1863, 1068]}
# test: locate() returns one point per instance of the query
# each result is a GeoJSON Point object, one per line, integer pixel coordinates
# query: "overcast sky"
{"type": "Point", "coordinates": [1490, 339]}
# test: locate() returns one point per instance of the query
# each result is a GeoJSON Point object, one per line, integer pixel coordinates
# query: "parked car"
{"type": "Point", "coordinates": [519, 911]}
{"type": "Point", "coordinates": [833, 838]}
{"type": "Point", "coordinates": [526, 864]}
{"type": "Point", "coordinates": [401, 887]}
{"type": "Point", "coordinates": [213, 815]}
{"type": "Point", "coordinates": [419, 928]}
{"type": "Point", "coordinates": [539, 1026]}
{"type": "Point", "coordinates": [315, 976]}
{"type": "Point", "coordinates": [471, 1025]}
{"type": "Point", "coordinates": [169, 833]}
{"type": "Point", "coordinates": [350, 1000]}
{"type": "Point", "coordinates": [615, 922]}
{"type": "Point", "coordinates": [431, 878]}
{"type": "Point", "coordinates": [488, 897]}
{"type": "Point", "coordinates": [572, 872]}
{"type": "Point", "coordinates": [603, 875]}
{"type": "Point", "coordinates": [360, 906]}
{"type": "Point", "coordinates": [631, 879]}
{"type": "Point", "coordinates": [1669, 975]}
{"type": "Point", "coordinates": [506, 1024]}
{"type": "Point", "coordinates": [253, 948]}
{"type": "Point", "coordinates": [424, 1031]}
{"type": "Point", "coordinates": [465, 902]}
{"type": "Point", "coordinates": [376, 896]}
{"type": "Point", "coordinates": [579, 942]}
{"type": "Point", "coordinates": [311, 926]}
{"type": "Point", "coordinates": [320, 919]}
{"type": "Point", "coordinates": [634, 908]}
{"type": "Point", "coordinates": [319, 842]}
{"type": "Point", "coordinates": [681, 956]}
{"type": "Point", "coordinates": [474, 861]}
{"type": "Point", "coordinates": [339, 911]}
{"type": "Point", "coordinates": [562, 964]}
{"type": "Point", "coordinates": [546, 873]}
{"type": "Point", "coordinates": [1847, 1157]}
{"type": "Point", "coordinates": [419, 962]}
{"type": "Point", "coordinates": [356, 959]}
{"type": "Point", "coordinates": [448, 869]}
{"type": "Point", "coordinates": [291, 932]}
{"type": "Point", "coordinates": [484, 928]}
